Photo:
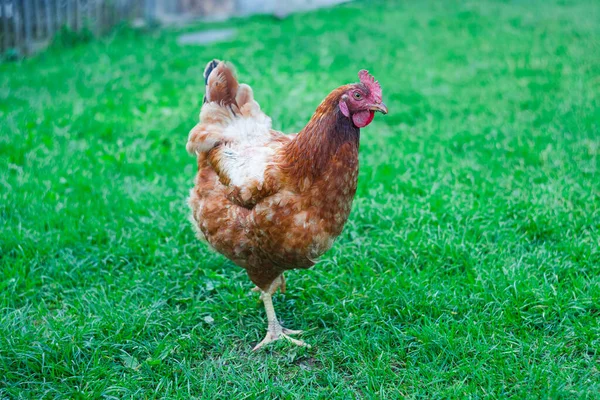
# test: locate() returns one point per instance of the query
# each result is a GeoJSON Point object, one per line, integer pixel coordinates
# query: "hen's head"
{"type": "Point", "coordinates": [360, 101]}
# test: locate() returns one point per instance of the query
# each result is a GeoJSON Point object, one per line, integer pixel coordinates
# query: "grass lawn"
{"type": "Point", "coordinates": [470, 266]}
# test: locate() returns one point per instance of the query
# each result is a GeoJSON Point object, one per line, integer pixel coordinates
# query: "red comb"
{"type": "Point", "coordinates": [367, 79]}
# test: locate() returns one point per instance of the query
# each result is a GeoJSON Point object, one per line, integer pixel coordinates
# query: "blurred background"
{"type": "Point", "coordinates": [26, 26]}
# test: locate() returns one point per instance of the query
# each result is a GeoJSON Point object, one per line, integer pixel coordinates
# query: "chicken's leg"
{"type": "Point", "coordinates": [281, 285]}
{"type": "Point", "coordinates": [275, 331]}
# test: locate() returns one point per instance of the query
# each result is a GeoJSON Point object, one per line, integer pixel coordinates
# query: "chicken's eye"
{"type": "Point", "coordinates": [357, 96]}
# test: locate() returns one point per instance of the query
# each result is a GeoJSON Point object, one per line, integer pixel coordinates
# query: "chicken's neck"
{"type": "Point", "coordinates": [310, 153]}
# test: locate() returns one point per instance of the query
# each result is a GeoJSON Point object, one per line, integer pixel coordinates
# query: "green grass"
{"type": "Point", "coordinates": [470, 266]}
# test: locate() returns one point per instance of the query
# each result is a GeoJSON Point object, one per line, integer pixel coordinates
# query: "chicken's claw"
{"type": "Point", "coordinates": [278, 332]}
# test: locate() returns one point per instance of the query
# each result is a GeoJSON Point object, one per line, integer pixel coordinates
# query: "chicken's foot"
{"type": "Point", "coordinates": [275, 331]}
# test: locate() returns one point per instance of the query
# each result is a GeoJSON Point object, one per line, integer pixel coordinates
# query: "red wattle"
{"type": "Point", "coordinates": [363, 118]}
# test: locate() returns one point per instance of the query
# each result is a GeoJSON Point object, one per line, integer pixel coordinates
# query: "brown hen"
{"type": "Point", "coordinates": [272, 202]}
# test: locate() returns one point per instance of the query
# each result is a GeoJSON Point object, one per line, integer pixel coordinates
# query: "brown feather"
{"type": "Point", "coordinates": [300, 208]}
{"type": "Point", "coordinates": [222, 85]}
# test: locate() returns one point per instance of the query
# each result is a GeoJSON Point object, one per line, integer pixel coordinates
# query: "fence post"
{"type": "Point", "coordinates": [5, 39]}
{"type": "Point", "coordinates": [61, 9]}
{"type": "Point", "coordinates": [149, 10]}
{"type": "Point", "coordinates": [48, 10]}
{"type": "Point", "coordinates": [27, 25]}
{"type": "Point", "coordinates": [90, 13]}
{"type": "Point", "coordinates": [56, 10]}
{"type": "Point", "coordinates": [69, 14]}
{"type": "Point", "coordinates": [99, 13]}
{"type": "Point", "coordinates": [77, 4]}
{"type": "Point", "coordinates": [17, 19]}
{"type": "Point", "coordinates": [37, 20]}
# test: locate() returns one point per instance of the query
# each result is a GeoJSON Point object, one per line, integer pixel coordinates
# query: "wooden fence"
{"type": "Point", "coordinates": [26, 25]}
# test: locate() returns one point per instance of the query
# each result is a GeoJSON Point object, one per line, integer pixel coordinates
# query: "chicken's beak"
{"type": "Point", "coordinates": [379, 107]}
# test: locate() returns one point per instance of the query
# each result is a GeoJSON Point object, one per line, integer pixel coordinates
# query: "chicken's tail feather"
{"type": "Point", "coordinates": [221, 83]}
{"type": "Point", "coordinates": [229, 113]}
{"type": "Point", "coordinates": [209, 68]}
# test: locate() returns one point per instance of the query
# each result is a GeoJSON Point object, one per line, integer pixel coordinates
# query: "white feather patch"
{"type": "Point", "coordinates": [243, 135]}
{"type": "Point", "coordinates": [245, 157]}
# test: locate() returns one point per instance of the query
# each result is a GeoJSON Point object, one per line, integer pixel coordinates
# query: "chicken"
{"type": "Point", "coordinates": [271, 202]}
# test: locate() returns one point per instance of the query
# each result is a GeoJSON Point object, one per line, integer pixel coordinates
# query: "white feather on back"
{"type": "Point", "coordinates": [244, 157]}
{"type": "Point", "coordinates": [240, 136]}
